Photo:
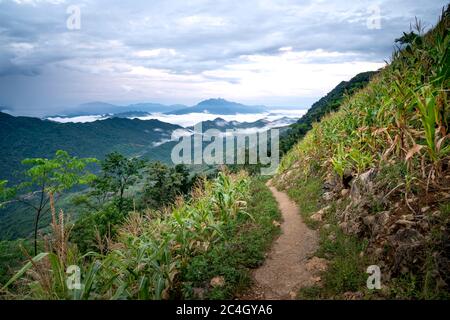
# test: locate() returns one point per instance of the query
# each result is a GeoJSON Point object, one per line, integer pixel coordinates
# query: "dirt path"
{"type": "Point", "coordinates": [285, 269]}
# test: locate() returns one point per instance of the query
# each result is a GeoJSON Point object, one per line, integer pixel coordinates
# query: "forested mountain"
{"type": "Point", "coordinates": [25, 137]}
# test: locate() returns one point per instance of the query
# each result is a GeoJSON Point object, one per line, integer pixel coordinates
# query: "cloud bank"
{"type": "Point", "coordinates": [257, 52]}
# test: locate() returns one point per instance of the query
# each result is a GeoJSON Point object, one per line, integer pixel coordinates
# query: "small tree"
{"type": "Point", "coordinates": [165, 183]}
{"type": "Point", "coordinates": [118, 173]}
{"type": "Point", "coordinates": [46, 178]}
{"type": "Point", "coordinates": [4, 193]}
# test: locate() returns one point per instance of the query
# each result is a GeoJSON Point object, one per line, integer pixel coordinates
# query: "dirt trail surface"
{"type": "Point", "coordinates": [286, 268]}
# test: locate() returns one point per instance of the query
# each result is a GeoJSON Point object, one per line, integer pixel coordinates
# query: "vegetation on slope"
{"type": "Point", "coordinates": [201, 247]}
{"type": "Point", "coordinates": [319, 109]}
{"type": "Point", "coordinates": [25, 137]}
{"type": "Point", "coordinates": [379, 167]}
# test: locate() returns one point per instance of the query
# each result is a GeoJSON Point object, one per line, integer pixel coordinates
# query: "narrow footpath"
{"type": "Point", "coordinates": [285, 270]}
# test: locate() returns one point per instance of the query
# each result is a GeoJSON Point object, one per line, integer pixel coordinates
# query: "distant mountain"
{"type": "Point", "coordinates": [220, 106]}
{"type": "Point", "coordinates": [102, 108]}
{"type": "Point", "coordinates": [25, 137]}
{"type": "Point", "coordinates": [97, 110]}
{"type": "Point", "coordinates": [130, 114]}
{"type": "Point", "coordinates": [222, 125]}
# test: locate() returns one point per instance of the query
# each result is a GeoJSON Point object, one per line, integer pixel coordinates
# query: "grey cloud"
{"type": "Point", "coordinates": [206, 35]}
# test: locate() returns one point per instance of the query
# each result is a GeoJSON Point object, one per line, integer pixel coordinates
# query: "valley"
{"type": "Point", "coordinates": [348, 199]}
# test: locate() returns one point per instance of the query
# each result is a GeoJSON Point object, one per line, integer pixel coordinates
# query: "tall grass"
{"type": "Point", "coordinates": [402, 115]}
{"type": "Point", "coordinates": [151, 249]}
{"type": "Point", "coordinates": [399, 126]}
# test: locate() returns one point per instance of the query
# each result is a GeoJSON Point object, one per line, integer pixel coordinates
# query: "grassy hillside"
{"type": "Point", "coordinates": [319, 109]}
{"type": "Point", "coordinates": [379, 171]}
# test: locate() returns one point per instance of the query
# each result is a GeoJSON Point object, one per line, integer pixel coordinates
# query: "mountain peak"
{"type": "Point", "coordinates": [217, 102]}
{"type": "Point", "coordinates": [220, 106]}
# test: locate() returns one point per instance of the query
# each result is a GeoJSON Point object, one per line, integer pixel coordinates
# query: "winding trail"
{"type": "Point", "coordinates": [285, 270]}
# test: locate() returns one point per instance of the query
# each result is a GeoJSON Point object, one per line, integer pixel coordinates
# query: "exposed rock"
{"type": "Point", "coordinates": [332, 182]}
{"type": "Point", "coordinates": [352, 228]}
{"type": "Point", "coordinates": [369, 220]}
{"type": "Point", "coordinates": [407, 236]}
{"type": "Point", "coordinates": [408, 217]}
{"type": "Point", "coordinates": [317, 216]}
{"type": "Point", "coordinates": [328, 196]}
{"type": "Point", "coordinates": [344, 192]}
{"type": "Point", "coordinates": [217, 282]}
{"type": "Point", "coordinates": [382, 219]}
{"type": "Point", "coordinates": [362, 184]}
{"type": "Point", "coordinates": [199, 293]}
{"type": "Point", "coordinates": [326, 226]}
{"type": "Point", "coordinates": [343, 225]}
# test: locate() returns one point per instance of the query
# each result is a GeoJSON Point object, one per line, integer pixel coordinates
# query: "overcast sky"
{"type": "Point", "coordinates": [277, 53]}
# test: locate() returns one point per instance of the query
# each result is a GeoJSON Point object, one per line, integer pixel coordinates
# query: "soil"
{"type": "Point", "coordinates": [288, 264]}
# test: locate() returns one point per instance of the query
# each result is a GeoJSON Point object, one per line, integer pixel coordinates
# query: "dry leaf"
{"type": "Point", "coordinates": [415, 149]}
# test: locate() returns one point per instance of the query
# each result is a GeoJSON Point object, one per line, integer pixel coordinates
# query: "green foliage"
{"type": "Point", "coordinates": [92, 230]}
{"type": "Point", "coordinates": [22, 137]}
{"type": "Point", "coordinates": [46, 177]}
{"type": "Point", "coordinates": [346, 271]}
{"type": "Point", "coordinates": [308, 196]}
{"type": "Point", "coordinates": [165, 183]}
{"type": "Point", "coordinates": [11, 257]}
{"type": "Point", "coordinates": [403, 109]}
{"type": "Point", "coordinates": [152, 249]}
{"type": "Point", "coordinates": [60, 173]}
{"type": "Point", "coordinates": [397, 125]}
{"type": "Point", "coordinates": [243, 248]}
{"type": "Point", "coordinates": [117, 175]}
{"type": "Point", "coordinates": [346, 266]}
{"type": "Point", "coordinates": [5, 193]}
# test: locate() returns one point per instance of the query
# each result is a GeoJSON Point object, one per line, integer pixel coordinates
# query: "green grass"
{"type": "Point", "coordinates": [307, 194]}
{"type": "Point", "coordinates": [248, 241]}
{"type": "Point", "coordinates": [11, 257]}
{"type": "Point", "coordinates": [346, 267]}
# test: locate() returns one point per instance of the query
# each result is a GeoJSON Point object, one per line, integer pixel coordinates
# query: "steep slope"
{"type": "Point", "coordinates": [380, 170]}
{"type": "Point", "coordinates": [325, 105]}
